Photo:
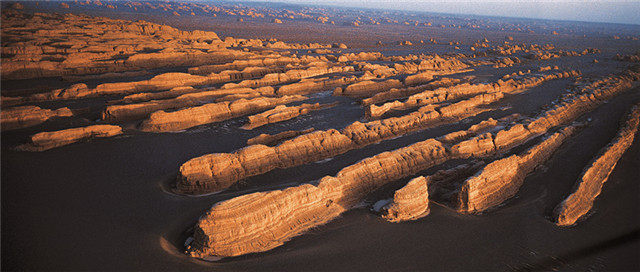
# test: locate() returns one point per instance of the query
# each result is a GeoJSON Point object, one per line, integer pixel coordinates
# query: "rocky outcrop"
{"type": "Point", "coordinates": [282, 113]}
{"type": "Point", "coordinates": [314, 69]}
{"type": "Point", "coordinates": [271, 140]}
{"type": "Point", "coordinates": [162, 121]}
{"type": "Point", "coordinates": [411, 202]}
{"type": "Point", "coordinates": [47, 140]}
{"type": "Point", "coordinates": [190, 98]}
{"type": "Point", "coordinates": [501, 179]}
{"type": "Point", "coordinates": [27, 116]}
{"type": "Point", "coordinates": [254, 62]}
{"type": "Point", "coordinates": [68, 44]}
{"type": "Point", "coordinates": [356, 135]}
{"type": "Point", "coordinates": [454, 92]}
{"type": "Point", "coordinates": [596, 173]}
{"type": "Point", "coordinates": [368, 88]}
{"type": "Point", "coordinates": [313, 85]}
{"type": "Point", "coordinates": [262, 221]}
{"type": "Point", "coordinates": [164, 81]}
{"type": "Point", "coordinates": [396, 93]}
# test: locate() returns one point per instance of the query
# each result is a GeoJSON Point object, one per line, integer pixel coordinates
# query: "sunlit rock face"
{"type": "Point", "coordinates": [278, 138]}
{"type": "Point", "coordinates": [590, 184]}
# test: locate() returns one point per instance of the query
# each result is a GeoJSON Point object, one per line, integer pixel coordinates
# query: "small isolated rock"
{"type": "Point", "coordinates": [339, 45]}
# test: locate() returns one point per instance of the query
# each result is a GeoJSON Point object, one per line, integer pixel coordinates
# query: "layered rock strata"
{"type": "Point", "coordinates": [282, 113]}
{"type": "Point", "coordinates": [68, 44]}
{"type": "Point", "coordinates": [162, 121]}
{"type": "Point", "coordinates": [396, 93]}
{"type": "Point", "coordinates": [47, 140]}
{"type": "Point", "coordinates": [262, 221]}
{"type": "Point", "coordinates": [411, 202]}
{"type": "Point", "coordinates": [27, 116]}
{"type": "Point", "coordinates": [207, 174]}
{"type": "Point", "coordinates": [135, 111]}
{"type": "Point", "coordinates": [596, 173]}
{"type": "Point", "coordinates": [460, 91]}
{"type": "Point", "coordinates": [501, 179]}
{"type": "Point", "coordinates": [271, 140]}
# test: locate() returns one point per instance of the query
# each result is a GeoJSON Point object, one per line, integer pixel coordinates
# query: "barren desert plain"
{"type": "Point", "coordinates": [232, 136]}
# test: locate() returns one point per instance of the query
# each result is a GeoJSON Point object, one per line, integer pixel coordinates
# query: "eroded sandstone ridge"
{"type": "Point", "coordinates": [47, 140]}
{"type": "Point", "coordinates": [590, 184]}
{"type": "Point", "coordinates": [26, 116]}
{"type": "Point", "coordinates": [411, 202]}
{"type": "Point", "coordinates": [501, 179]}
{"type": "Point", "coordinates": [215, 172]}
{"type": "Point", "coordinates": [485, 114]}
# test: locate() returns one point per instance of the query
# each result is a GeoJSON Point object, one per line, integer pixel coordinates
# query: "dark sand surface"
{"type": "Point", "coordinates": [104, 204]}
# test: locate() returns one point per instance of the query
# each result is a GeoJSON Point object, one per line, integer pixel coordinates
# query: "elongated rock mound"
{"type": "Point", "coordinates": [162, 121]}
{"type": "Point", "coordinates": [501, 179]}
{"type": "Point", "coordinates": [47, 140]}
{"type": "Point", "coordinates": [282, 113]}
{"type": "Point", "coordinates": [411, 202]}
{"type": "Point", "coordinates": [27, 116]}
{"type": "Point", "coordinates": [589, 186]}
{"type": "Point", "coordinates": [262, 221]}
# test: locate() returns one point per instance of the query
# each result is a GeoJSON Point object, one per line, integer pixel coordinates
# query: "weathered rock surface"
{"type": "Point", "coordinates": [189, 98]}
{"type": "Point", "coordinates": [356, 135]}
{"type": "Point", "coordinates": [271, 140]}
{"type": "Point", "coordinates": [94, 45]}
{"type": "Point", "coordinates": [590, 184]}
{"type": "Point", "coordinates": [396, 93]}
{"type": "Point", "coordinates": [162, 121]}
{"type": "Point", "coordinates": [26, 116]}
{"type": "Point", "coordinates": [501, 179]}
{"type": "Point", "coordinates": [439, 95]}
{"type": "Point", "coordinates": [411, 202]}
{"type": "Point", "coordinates": [47, 140]}
{"type": "Point", "coordinates": [262, 221]}
{"type": "Point", "coordinates": [282, 113]}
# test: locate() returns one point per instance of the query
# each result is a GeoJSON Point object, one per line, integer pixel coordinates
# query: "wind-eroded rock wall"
{"type": "Point", "coordinates": [501, 179]}
{"type": "Point", "coordinates": [410, 202]}
{"type": "Point", "coordinates": [262, 221]}
{"type": "Point", "coordinates": [162, 121]}
{"type": "Point", "coordinates": [47, 140]}
{"type": "Point", "coordinates": [282, 113]}
{"type": "Point", "coordinates": [202, 175]}
{"type": "Point", "coordinates": [27, 116]}
{"type": "Point", "coordinates": [590, 184]}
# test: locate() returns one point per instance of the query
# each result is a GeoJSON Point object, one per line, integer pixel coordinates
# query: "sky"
{"type": "Point", "coordinates": [609, 11]}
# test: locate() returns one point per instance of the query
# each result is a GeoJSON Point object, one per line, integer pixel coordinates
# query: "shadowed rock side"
{"type": "Point", "coordinates": [271, 140]}
{"type": "Point", "coordinates": [27, 116]}
{"type": "Point", "coordinates": [162, 121]}
{"type": "Point", "coordinates": [501, 179]}
{"type": "Point", "coordinates": [47, 140]}
{"type": "Point", "coordinates": [589, 186]}
{"type": "Point", "coordinates": [282, 113]}
{"type": "Point", "coordinates": [411, 202]}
